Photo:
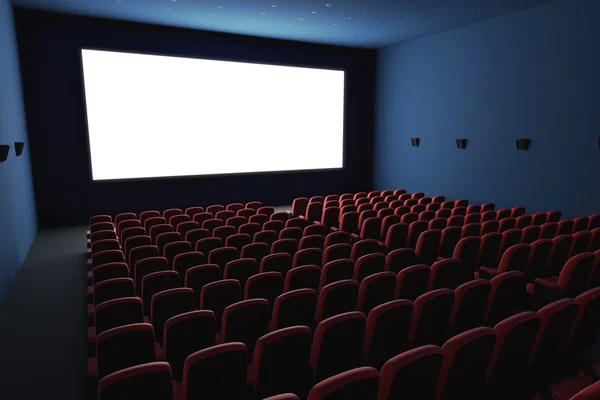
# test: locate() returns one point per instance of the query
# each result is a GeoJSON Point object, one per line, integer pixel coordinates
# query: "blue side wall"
{"type": "Point", "coordinates": [18, 223]}
{"type": "Point", "coordinates": [532, 74]}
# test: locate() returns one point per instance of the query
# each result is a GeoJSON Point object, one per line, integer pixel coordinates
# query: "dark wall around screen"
{"type": "Point", "coordinates": [49, 46]}
{"type": "Point", "coordinates": [18, 225]}
{"type": "Point", "coordinates": [532, 74]}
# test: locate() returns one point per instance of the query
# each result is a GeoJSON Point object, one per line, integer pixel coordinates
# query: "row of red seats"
{"type": "Point", "coordinates": [524, 350]}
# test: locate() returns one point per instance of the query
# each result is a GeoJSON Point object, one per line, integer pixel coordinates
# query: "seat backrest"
{"type": "Point", "coordinates": [167, 304]}
{"type": "Point", "coordinates": [276, 262]}
{"type": "Point", "coordinates": [386, 333]}
{"type": "Point", "coordinates": [336, 270]}
{"type": "Point", "coordinates": [197, 277]}
{"type": "Point", "coordinates": [413, 374]}
{"type": "Point", "coordinates": [428, 245]}
{"type": "Point", "coordinates": [113, 289]}
{"type": "Point", "coordinates": [184, 334]}
{"type": "Point", "coordinates": [489, 249]}
{"type": "Point", "coordinates": [216, 296]}
{"type": "Point", "coordinates": [266, 285]}
{"type": "Point", "coordinates": [336, 298]}
{"type": "Point", "coordinates": [296, 307]}
{"type": "Point", "coordinates": [467, 251]}
{"type": "Point", "coordinates": [449, 240]}
{"type": "Point", "coordinates": [368, 264]}
{"type": "Point", "coordinates": [240, 269]}
{"type": "Point", "coordinates": [515, 337]}
{"type": "Point", "coordinates": [470, 300]}
{"type": "Point", "coordinates": [216, 372]}
{"type": "Point", "coordinates": [147, 381]}
{"type": "Point", "coordinates": [337, 344]}
{"type": "Point", "coordinates": [184, 261]}
{"type": "Point", "coordinates": [449, 274]}
{"type": "Point", "coordinates": [356, 384]}
{"type": "Point", "coordinates": [157, 282]}
{"type": "Point", "coordinates": [281, 362]}
{"type": "Point", "coordinates": [575, 274]}
{"type": "Point", "coordinates": [118, 312]}
{"type": "Point", "coordinates": [466, 360]}
{"type": "Point", "coordinates": [412, 282]}
{"type": "Point", "coordinates": [431, 317]}
{"type": "Point", "coordinates": [245, 322]}
{"type": "Point", "coordinates": [195, 235]}
{"type": "Point", "coordinates": [515, 258]}
{"type": "Point", "coordinates": [508, 291]}
{"type": "Point", "coordinates": [123, 347]}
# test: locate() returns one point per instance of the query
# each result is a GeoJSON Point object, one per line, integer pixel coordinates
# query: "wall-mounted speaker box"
{"type": "Point", "coordinates": [523, 144]}
{"type": "Point", "coordinates": [461, 143]}
{"type": "Point", "coordinates": [4, 149]}
{"type": "Point", "coordinates": [415, 141]}
{"type": "Point", "coordinates": [19, 148]}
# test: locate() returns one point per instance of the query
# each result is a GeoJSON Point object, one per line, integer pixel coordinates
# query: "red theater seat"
{"type": "Point", "coordinates": [149, 381]}
{"type": "Point", "coordinates": [337, 345]}
{"type": "Point", "coordinates": [387, 331]}
{"type": "Point", "coordinates": [357, 384]}
{"type": "Point", "coordinates": [281, 363]}
{"type": "Point", "coordinates": [218, 372]}
{"type": "Point", "coordinates": [245, 321]}
{"type": "Point", "coordinates": [413, 374]}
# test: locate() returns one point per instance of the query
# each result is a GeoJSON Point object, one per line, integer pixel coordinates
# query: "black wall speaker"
{"type": "Point", "coordinates": [461, 143]}
{"type": "Point", "coordinates": [415, 141]}
{"type": "Point", "coordinates": [19, 148]}
{"type": "Point", "coordinates": [523, 144]}
{"type": "Point", "coordinates": [4, 149]}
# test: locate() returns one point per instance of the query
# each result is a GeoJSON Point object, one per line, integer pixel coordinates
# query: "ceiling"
{"type": "Point", "coordinates": [354, 23]}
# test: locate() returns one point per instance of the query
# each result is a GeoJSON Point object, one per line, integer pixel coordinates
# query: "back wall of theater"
{"type": "Point", "coordinates": [50, 47]}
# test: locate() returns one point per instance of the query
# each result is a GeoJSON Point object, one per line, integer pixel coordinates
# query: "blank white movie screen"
{"type": "Point", "coordinates": [156, 116]}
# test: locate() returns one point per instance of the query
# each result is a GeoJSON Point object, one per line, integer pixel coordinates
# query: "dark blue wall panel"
{"type": "Point", "coordinates": [18, 224]}
{"type": "Point", "coordinates": [50, 47]}
{"type": "Point", "coordinates": [532, 74]}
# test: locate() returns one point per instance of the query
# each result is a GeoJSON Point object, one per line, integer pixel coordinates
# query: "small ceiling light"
{"type": "Point", "coordinates": [328, 4]}
{"type": "Point", "coordinates": [314, 12]}
{"type": "Point", "coordinates": [274, 6]}
{"type": "Point", "coordinates": [118, 1]}
{"type": "Point", "coordinates": [289, 24]}
{"type": "Point", "coordinates": [212, 15]}
{"type": "Point", "coordinates": [366, 11]}
{"type": "Point", "coordinates": [335, 24]}
{"type": "Point", "coordinates": [262, 13]}
{"type": "Point", "coordinates": [382, 23]}
{"type": "Point", "coordinates": [220, 7]}
{"type": "Point", "coordinates": [252, 20]}
{"type": "Point", "coordinates": [419, 10]}
{"type": "Point", "coordinates": [430, 22]}
{"type": "Point", "coordinates": [399, 16]}
{"type": "Point", "coordinates": [473, 9]}
{"type": "Point", "coordinates": [168, 8]}
{"type": "Point", "coordinates": [383, 4]}
{"type": "Point", "coordinates": [300, 19]}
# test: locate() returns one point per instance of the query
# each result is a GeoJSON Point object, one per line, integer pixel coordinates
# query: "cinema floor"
{"type": "Point", "coordinates": [43, 326]}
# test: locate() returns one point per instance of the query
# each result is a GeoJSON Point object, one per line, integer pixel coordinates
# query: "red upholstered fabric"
{"type": "Point", "coordinates": [359, 383]}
